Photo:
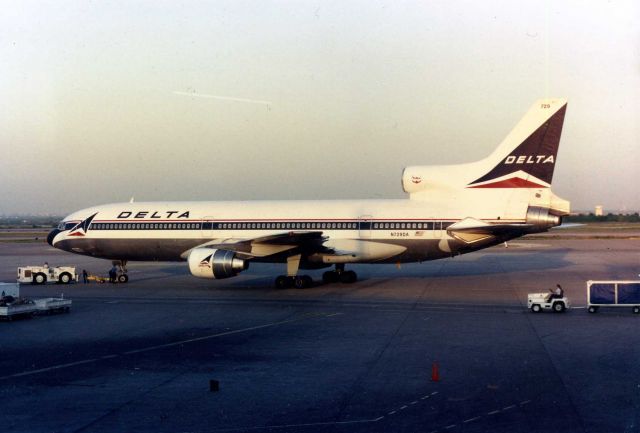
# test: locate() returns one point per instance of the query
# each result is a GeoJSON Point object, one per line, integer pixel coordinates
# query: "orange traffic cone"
{"type": "Point", "coordinates": [435, 374]}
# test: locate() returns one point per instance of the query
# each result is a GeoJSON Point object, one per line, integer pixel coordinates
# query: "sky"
{"type": "Point", "coordinates": [246, 100]}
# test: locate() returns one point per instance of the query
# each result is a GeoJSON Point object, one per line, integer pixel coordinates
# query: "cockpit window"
{"type": "Point", "coordinates": [66, 226]}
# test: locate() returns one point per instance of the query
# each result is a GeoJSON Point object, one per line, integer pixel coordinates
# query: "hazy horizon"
{"type": "Point", "coordinates": [304, 100]}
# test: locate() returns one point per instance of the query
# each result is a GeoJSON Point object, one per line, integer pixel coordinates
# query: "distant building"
{"type": "Point", "coordinates": [599, 211]}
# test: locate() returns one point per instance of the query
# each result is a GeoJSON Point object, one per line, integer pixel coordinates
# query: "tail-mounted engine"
{"type": "Point", "coordinates": [215, 264]}
{"type": "Point", "coordinates": [541, 218]}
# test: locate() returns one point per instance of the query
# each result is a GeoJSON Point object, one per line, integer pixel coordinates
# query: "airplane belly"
{"type": "Point", "coordinates": [130, 249]}
{"type": "Point", "coordinates": [357, 251]}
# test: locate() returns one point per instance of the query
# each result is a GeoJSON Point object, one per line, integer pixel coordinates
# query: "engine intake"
{"type": "Point", "coordinates": [215, 264]}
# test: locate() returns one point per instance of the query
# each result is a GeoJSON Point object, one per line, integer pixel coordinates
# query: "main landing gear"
{"type": "Point", "coordinates": [292, 279]}
{"type": "Point", "coordinates": [347, 277]}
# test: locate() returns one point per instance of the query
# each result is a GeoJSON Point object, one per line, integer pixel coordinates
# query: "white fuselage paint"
{"type": "Point", "coordinates": [369, 230]}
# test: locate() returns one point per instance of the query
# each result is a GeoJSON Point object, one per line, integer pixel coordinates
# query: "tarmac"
{"type": "Point", "coordinates": [333, 358]}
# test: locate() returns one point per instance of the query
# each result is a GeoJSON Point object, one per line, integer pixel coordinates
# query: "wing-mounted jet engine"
{"type": "Point", "coordinates": [215, 264]}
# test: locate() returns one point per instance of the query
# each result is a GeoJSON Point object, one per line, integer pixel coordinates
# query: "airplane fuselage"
{"type": "Point", "coordinates": [388, 230]}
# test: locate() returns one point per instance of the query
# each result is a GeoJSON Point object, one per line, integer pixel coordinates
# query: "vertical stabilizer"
{"type": "Point", "coordinates": [526, 158]}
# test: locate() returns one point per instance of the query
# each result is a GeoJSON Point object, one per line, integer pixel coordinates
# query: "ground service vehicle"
{"type": "Point", "coordinates": [537, 302]}
{"type": "Point", "coordinates": [44, 274]}
{"type": "Point", "coordinates": [613, 294]}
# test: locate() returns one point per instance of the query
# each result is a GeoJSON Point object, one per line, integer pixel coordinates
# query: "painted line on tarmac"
{"type": "Point", "coordinates": [159, 346]}
{"type": "Point", "coordinates": [56, 367]}
{"type": "Point", "coordinates": [414, 402]}
{"type": "Point", "coordinates": [311, 424]}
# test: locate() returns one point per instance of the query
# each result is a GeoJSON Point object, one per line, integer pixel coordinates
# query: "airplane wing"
{"type": "Point", "coordinates": [471, 230]}
{"type": "Point", "coordinates": [264, 246]}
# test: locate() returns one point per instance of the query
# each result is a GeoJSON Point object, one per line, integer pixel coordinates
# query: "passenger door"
{"type": "Point", "coordinates": [364, 226]}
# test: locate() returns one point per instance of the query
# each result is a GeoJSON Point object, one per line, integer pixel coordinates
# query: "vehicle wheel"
{"type": "Point", "coordinates": [636, 310]}
{"type": "Point", "coordinates": [300, 282]}
{"type": "Point", "coordinates": [536, 308]}
{"type": "Point", "coordinates": [348, 277]}
{"type": "Point", "coordinates": [123, 278]}
{"type": "Point", "coordinates": [593, 309]}
{"type": "Point", "coordinates": [39, 278]}
{"type": "Point", "coordinates": [559, 307]}
{"type": "Point", "coordinates": [282, 282]}
{"type": "Point", "coordinates": [64, 278]}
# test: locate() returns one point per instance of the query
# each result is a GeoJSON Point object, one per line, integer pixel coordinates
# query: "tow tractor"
{"type": "Point", "coordinates": [43, 274]}
{"type": "Point", "coordinates": [538, 302]}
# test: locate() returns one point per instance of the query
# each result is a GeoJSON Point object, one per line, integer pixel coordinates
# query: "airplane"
{"type": "Point", "coordinates": [451, 210]}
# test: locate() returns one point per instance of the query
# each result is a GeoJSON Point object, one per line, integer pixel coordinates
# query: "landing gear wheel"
{"type": "Point", "coordinates": [348, 277]}
{"type": "Point", "coordinates": [64, 278]}
{"type": "Point", "coordinates": [330, 277]}
{"type": "Point", "coordinates": [39, 278]}
{"type": "Point", "coordinates": [123, 278]}
{"type": "Point", "coordinates": [302, 282]}
{"type": "Point", "coordinates": [282, 282]}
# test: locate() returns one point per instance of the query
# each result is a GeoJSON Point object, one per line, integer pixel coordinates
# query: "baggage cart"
{"type": "Point", "coordinates": [613, 294]}
{"type": "Point", "coordinates": [10, 289]}
{"type": "Point", "coordinates": [17, 309]}
{"type": "Point", "coordinates": [53, 305]}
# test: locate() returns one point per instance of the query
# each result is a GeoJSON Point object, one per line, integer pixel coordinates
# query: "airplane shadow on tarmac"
{"type": "Point", "coordinates": [261, 275]}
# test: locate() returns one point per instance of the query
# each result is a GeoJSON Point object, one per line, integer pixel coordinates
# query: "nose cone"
{"type": "Point", "coordinates": [51, 236]}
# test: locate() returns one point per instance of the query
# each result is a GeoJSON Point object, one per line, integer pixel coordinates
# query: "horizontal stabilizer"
{"type": "Point", "coordinates": [471, 230]}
